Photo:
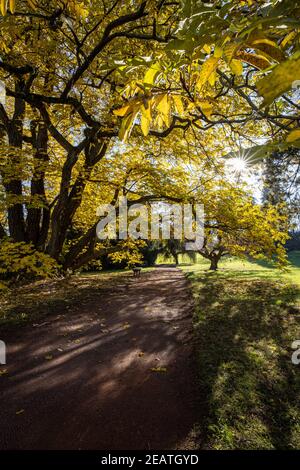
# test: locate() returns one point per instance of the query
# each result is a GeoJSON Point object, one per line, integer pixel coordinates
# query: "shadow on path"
{"type": "Point", "coordinates": [84, 380]}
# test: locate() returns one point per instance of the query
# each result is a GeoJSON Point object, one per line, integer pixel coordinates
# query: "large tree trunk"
{"type": "Point", "coordinates": [2, 232]}
{"type": "Point", "coordinates": [13, 187]}
{"type": "Point", "coordinates": [37, 216]}
{"type": "Point", "coordinates": [214, 263]}
{"type": "Point", "coordinates": [69, 202]}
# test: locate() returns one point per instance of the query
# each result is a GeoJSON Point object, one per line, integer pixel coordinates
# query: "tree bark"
{"type": "Point", "coordinates": [37, 214]}
{"type": "Point", "coordinates": [2, 232]}
{"type": "Point", "coordinates": [214, 263]}
{"type": "Point", "coordinates": [69, 202]}
{"type": "Point", "coordinates": [13, 187]}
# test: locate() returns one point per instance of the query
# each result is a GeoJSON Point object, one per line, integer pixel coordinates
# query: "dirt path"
{"type": "Point", "coordinates": [85, 380]}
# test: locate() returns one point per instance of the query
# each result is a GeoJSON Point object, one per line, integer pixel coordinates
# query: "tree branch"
{"type": "Point", "coordinates": [106, 38]}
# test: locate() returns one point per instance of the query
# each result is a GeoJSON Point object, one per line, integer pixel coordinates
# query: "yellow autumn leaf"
{"type": "Point", "coordinates": [289, 37]}
{"type": "Point", "coordinates": [146, 110]}
{"type": "Point", "coordinates": [206, 48]}
{"type": "Point", "coordinates": [164, 108]}
{"type": "Point", "coordinates": [127, 125]}
{"type": "Point", "coordinates": [236, 67]}
{"type": "Point", "coordinates": [206, 107]}
{"type": "Point", "coordinates": [178, 103]}
{"type": "Point", "coordinates": [264, 41]}
{"type": "Point", "coordinates": [293, 135]}
{"type": "Point", "coordinates": [159, 369]}
{"type": "Point", "coordinates": [207, 69]}
{"type": "Point", "coordinates": [229, 51]}
{"type": "Point", "coordinates": [3, 6]}
{"type": "Point", "coordinates": [163, 105]}
{"type": "Point", "coordinates": [159, 121]}
{"type": "Point", "coordinates": [212, 78]}
{"type": "Point", "coordinates": [32, 4]}
{"type": "Point", "coordinates": [218, 51]}
{"type": "Point", "coordinates": [122, 111]}
{"type": "Point", "coordinates": [145, 125]}
{"type": "Point", "coordinates": [12, 6]}
{"type": "Point", "coordinates": [151, 74]}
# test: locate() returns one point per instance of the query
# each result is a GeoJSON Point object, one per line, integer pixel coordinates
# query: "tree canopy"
{"type": "Point", "coordinates": [135, 98]}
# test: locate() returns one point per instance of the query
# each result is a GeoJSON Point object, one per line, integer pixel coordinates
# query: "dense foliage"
{"type": "Point", "coordinates": [102, 99]}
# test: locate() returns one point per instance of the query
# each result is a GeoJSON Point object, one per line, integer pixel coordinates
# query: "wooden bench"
{"type": "Point", "coordinates": [136, 271]}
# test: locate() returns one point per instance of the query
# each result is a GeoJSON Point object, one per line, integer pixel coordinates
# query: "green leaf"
{"type": "Point", "coordinates": [186, 8]}
{"type": "Point", "coordinates": [279, 80]}
{"type": "Point", "coordinates": [187, 45]}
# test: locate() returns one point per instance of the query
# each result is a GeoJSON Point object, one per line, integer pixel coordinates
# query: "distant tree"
{"type": "Point", "coordinates": [236, 225]}
{"type": "Point", "coordinates": [282, 183]}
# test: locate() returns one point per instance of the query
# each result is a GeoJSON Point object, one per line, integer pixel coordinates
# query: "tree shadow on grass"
{"type": "Point", "coordinates": [249, 388]}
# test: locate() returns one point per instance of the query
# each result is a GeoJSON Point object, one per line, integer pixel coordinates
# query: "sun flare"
{"type": "Point", "coordinates": [238, 164]}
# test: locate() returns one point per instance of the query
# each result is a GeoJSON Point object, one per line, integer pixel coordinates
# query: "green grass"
{"type": "Point", "coordinates": [246, 317]}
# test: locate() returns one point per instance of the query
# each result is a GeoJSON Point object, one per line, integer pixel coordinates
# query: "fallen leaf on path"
{"type": "Point", "coordinates": [125, 326]}
{"type": "Point", "coordinates": [3, 372]}
{"type": "Point", "coordinates": [159, 369]}
{"type": "Point", "coordinates": [141, 354]}
{"type": "Point", "coordinates": [49, 357]}
{"type": "Point", "coordinates": [19, 412]}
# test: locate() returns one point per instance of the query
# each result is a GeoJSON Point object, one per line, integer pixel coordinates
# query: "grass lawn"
{"type": "Point", "coordinates": [246, 317]}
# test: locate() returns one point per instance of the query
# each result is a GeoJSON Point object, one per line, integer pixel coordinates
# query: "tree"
{"type": "Point", "coordinates": [212, 72]}
{"type": "Point", "coordinates": [110, 73]}
{"type": "Point", "coordinates": [281, 183]}
{"type": "Point", "coordinates": [58, 112]}
{"type": "Point", "coordinates": [236, 225]}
